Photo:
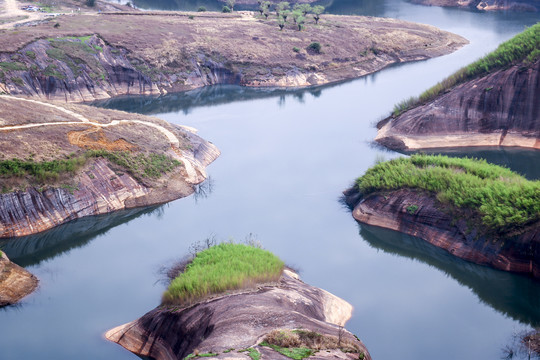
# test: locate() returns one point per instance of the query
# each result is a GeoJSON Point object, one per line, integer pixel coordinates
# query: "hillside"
{"type": "Point", "coordinates": [83, 57]}
{"type": "Point", "coordinates": [62, 162]}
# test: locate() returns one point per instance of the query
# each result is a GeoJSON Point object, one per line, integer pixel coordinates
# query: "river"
{"type": "Point", "coordinates": [286, 158]}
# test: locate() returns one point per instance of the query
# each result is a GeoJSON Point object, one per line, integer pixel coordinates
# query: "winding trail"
{"type": "Point", "coordinates": [188, 161]}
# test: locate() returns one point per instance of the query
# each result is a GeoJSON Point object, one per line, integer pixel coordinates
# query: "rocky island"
{"type": "Point", "coordinates": [493, 102]}
{"type": "Point", "coordinates": [61, 162]}
{"type": "Point", "coordinates": [256, 310]}
{"type": "Point", "coordinates": [84, 57]}
{"type": "Point", "coordinates": [476, 211]}
{"type": "Point", "coordinates": [15, 282]}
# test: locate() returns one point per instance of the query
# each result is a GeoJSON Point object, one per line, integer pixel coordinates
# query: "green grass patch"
{"type": "Point", "coordinates": [52, 70]}
{"type": "Point", "coordinates": [12, 66]}
{"type": "Point", "coordinates": [31, 54]}
{"type": "Point", "coordinates": [139, 165]}
{"type": "Point", "coordinates": [496, 199]}
{"type": "Point", "coordinates": [195, 356]}
{"type": "Point", "coordinates": [74, 51]}
{"type": "Point", "coordinates": [522, 47]}
{"type": "Point", "coordinates": [223, 268]}
{"type": "Point", "coordinates": [296, 353]}
{"type": "Point", "coordinates": [253, 353]}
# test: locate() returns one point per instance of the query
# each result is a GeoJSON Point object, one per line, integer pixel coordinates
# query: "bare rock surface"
{"type": "Point", "coordinates": [500, 109]}
{"type": "Point", "coordinates": [15, 282]}
{"type": "Point", "coordinates": [239, 321]}
{"type": "Point", "coordinates": [518, 253]}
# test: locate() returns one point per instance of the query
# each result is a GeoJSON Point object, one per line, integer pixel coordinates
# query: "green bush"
{"type": "Point", "coordinates": [201, 9]}
{"type": "Point", "coordinates": [12, 66]}
{"type": "Point", "coordinates": [222, 268]}
{"type": "Point", "coordinates": [226, 9]}
{"type": "Point", "coordinates": [497, 199]}
{"type": "Point", "coordinates": [296, 49]}
{"type": "Point", "coordinates": [315, 47]}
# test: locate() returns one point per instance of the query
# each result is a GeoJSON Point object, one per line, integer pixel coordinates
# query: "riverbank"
{"type": "Point", "coordinates": [491, 102]}
{"type": "Point", "coordinates": [72, 59]}
{"type": "Point", "coordinates": [75, 161]}
{"type": "Point", "coordinates": [485, 5]}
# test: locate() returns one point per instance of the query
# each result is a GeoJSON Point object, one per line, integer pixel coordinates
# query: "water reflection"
{"type": "Point", "coordinates": [522, 161]}
{"type": "Point", "coordinates": [513, 295]}
{"type": "Point", "coordinates": [33, 249]}
{"type": "Point", "coordinates": [204, 97]}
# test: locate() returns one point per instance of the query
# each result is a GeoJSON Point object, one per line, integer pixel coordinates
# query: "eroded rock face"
{"type": "Point", "coordinates": [15, 282]}
{"type": "Point", "coordinates": [500, 109]}
{"type": "Point", "coordinates": [237, 322]}
{"type": "Point", "coordinates": [485, 5]}
{"type": "Point", "coordinates": [429, 221]}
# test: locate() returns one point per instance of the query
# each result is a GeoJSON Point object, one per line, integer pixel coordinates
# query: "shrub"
{"type": "Point", "coordinates": [221, 268]}
{"type": "Point", "coordinates": [314, 47]}
{"type": "Point", "coordinates": [201, 9]}
{"type": "Point", "coordinates": [494, 198]}
{"type": "Point", "coordinates": [296, 49]}
{"type": "Point", "coordinates": [226, 9]}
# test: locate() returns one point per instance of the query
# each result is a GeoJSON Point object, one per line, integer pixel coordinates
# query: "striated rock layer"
{"type": "Point", "coordinates": [518, 253]}
{"type": "Point", "coordinates": [239, 321]}
{"type": "Point", "coordinates": [500, 109]}
{"type": "Point", "coordinates": [15, 282]}
{"type": "Point", "coordinates": [485, 5]}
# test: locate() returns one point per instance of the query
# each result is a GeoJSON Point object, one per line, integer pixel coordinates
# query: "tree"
{"type": "Point", "coordinates": [231, 3]}
{"type": "Point", "coordinates": [264, 6]}
{"type": "Point", "coordinates": [300, 22]}
{"type": "Point", "coordinates": [317, 11]}
{"type": "Point", "coordinates": [282, 6]}
{"type": "Point", "coordinates": [295, 15]}
{"type": "Point", "coordinates": [281, 23]}
{"type": "Point", "coordinates": [285, 14]}
{"type": "Point", "coordinates": [304, 8]}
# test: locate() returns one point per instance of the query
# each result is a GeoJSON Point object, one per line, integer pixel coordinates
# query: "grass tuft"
{"type": "Point", "coordinates": [222, 268]}
{"type": "Point", "coordinates": [499, 200]}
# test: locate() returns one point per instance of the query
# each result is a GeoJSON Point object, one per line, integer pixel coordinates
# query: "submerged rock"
{"type": "Point", "coordinates": [15, 282]}
{"type": "Point", "coordinates": [228, 325]}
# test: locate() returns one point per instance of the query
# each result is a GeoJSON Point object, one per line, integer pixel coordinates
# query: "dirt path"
{"type": "Point", "coordinates": [173, 140]}
{"type": "Point", "coordinates": [12, 10]}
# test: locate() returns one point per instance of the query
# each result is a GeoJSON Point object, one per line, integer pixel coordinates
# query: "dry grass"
{"type": "Point", "coordinates": [286, 338]}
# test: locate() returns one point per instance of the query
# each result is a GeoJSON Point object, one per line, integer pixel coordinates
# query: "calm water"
{"type": "Point", "coordinates": [286, 158]}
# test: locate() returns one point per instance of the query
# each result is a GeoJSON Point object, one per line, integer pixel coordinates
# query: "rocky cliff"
{"type": "Point", "coordinates": [76, 60]}
{"type": "Point", "coordinates": [500, 109]}
{"type": "Point", "coordinates": [121, 174]}
{"type": "Point", "coordinates": [485, 5]}
{"type": "Point", "coordinates": [15, 282]}
{"type": "Point", "coordinates": [233, 326]}
{"type": "Point", "coordinates": [430, 221]}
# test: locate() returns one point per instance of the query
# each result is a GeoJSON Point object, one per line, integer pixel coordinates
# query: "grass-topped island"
{"type": "Point", "coordinates": [477, 211]}
{"type": "Point", "coordinates": [238, 301]}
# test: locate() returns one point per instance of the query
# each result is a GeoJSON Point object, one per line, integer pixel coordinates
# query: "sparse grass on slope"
{"type": "Point", "coordinates": [522, 47]}
{"type": "Point", "coordinates": [221, 268]}
{"type": "Point", "coordinates": [139, 165]}
{"type": "Point", "coordinates": [499, 200]}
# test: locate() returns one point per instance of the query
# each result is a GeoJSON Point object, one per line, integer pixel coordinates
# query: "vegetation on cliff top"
{"type": "Point", "coordinates": [139, 165]}
{"type": "Point", "coordinates": [220, 268]}
{"type": "Point", "coordinates": [524, 46]}
{"type": "Point", "coordinates": [496, 198]}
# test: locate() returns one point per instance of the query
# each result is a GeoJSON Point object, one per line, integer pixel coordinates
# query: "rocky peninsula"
{"type": "Point", "coordinates": [15, 282]}
{"type": "Point", "coordinates": [492, 102]}
{"type": "Point", "coordinates": [267, 320]}
{"type": "Point", "coordinates": [476, 211]}
{"type": "Point", "coordinates": [61, 162]}
{"type": "Point", "coordinates": [85, 57]}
